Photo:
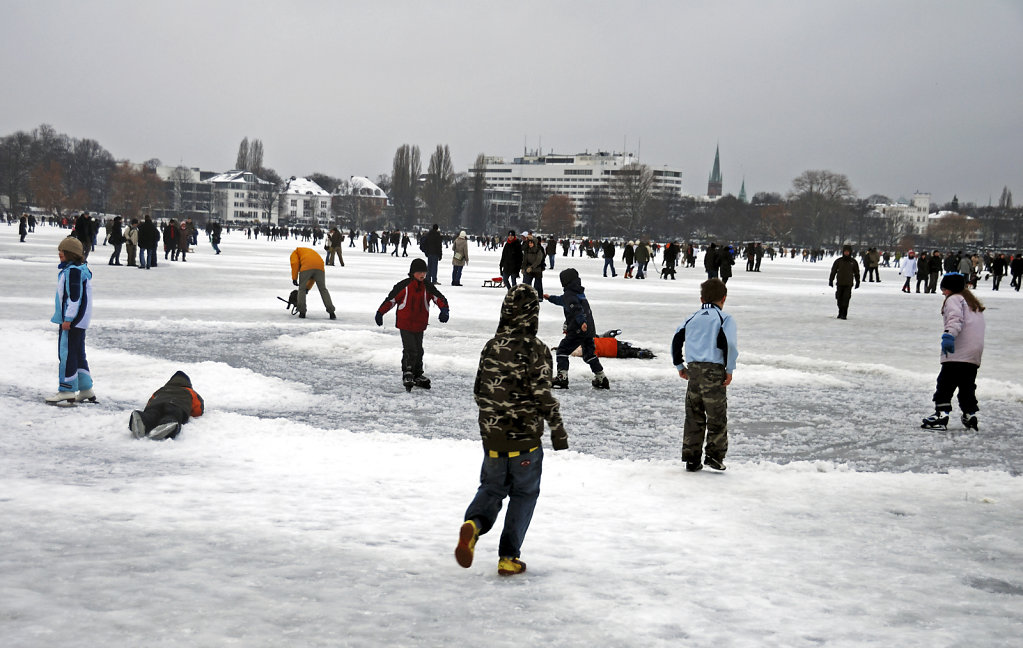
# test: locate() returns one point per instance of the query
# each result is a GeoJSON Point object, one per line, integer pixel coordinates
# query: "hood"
{"type": "Point", "coordinates": [180, 379]}
{"type": "Point", "coordinates": [520, 312]}
{"type": "Point", "coordinates": [570, 280]}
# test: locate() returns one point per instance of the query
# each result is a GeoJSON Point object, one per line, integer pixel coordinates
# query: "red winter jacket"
{"type": "Point", "coordinates": [412, 297]}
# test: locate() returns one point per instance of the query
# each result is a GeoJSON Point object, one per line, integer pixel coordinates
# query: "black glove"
{"type": "Point", "coordinates": [444, 314]}
{"type": "Point", "coordinates": [379, 318]}
{"type": "Point", "coordinates": [294, 282]}
{"type": "Point", "coordinates": [559, 441]}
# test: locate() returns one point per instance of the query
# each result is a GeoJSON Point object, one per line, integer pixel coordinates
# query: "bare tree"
{"type": "Point", "coordinates": [631, 189]}
{"type": "Point", "coordinates": [558, 215]}
{"type": "Point", "coordinates": [242, 162]}
{"type": "Point", "coordinates": [819, 202]}
{"type": "Point", "coordinates": [477, 204]}
{"type": "Point", "coordinates": [439, 189]}
{"type": "Point", "coordinates": [180, 178]}
{"type": "Point", "coordinates": [255, 156]}
{"type": "Point", "coordinates": [405, 183]}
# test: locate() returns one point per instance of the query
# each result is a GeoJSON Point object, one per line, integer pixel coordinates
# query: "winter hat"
{"type": "Point", "coordinates": [71, 245]}
{"type": "Point", "coordinates": [461, 234]}
{"type": "Point", "coordinates": [569, 276]}
{"type": "Point", "coordinates": [953, 282]}
{"type": "Point", "coordinates": [418, 265]}
{"type": "Point", "coordinates": [847, 248]}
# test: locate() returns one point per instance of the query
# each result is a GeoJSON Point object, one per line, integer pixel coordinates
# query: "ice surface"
{"type": "Point", "coordinates": [317, 504]}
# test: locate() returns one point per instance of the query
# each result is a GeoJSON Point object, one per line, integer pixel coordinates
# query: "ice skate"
{"type": "Point", "coordinates": [165, 431]}
{"type": "Point", "coordinates": [422, 382]}
{"type": "Point", "coordinates": [510, 566]}
{"type": "Point", "coordinates": [136, 425]}
{"type": "Point", "coordinates": [694, 466]}
{"type": "Point", "coordinates": [61, 398]}
{"type": "Point", "coordinates": [936, 421]}
{"type": "Point", "coordinates": [408, 381]}
{"type": "Point", "coordinates": [600, 381]}
{"type": "Point", "coordinates": [970, 421]}
{"type": "Point", "coordinates": [716, 464]}
{"type": "Point", "coordinates": [86, 396]}
{"type": "Point", "coordinates": [467, 537]}
{"type": "Point", "coordinates": [560, 381]}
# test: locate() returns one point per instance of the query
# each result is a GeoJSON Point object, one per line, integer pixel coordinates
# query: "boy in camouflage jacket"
{"type": "Point", "coordinates": [513, 391]}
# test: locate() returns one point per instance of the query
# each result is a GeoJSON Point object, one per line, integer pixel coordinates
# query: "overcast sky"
{"type": "Point", "coordinates": [900, 96]}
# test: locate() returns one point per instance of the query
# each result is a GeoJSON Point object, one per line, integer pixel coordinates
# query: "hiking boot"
{"type": "Point", "coordinates": [467, 537]}
{"type": "Point", "coordinates": [510, 566]}
{"type": "Point", "coordinates": [716, 464]}
{"type": "Point", "coordinates": [61, 398]}
{"type": "Point", "coordinates": [560, 382]}
{"type": "Point", "coordinates": [422, 381]}
{"type": "Point", "coordinates": [165, 431]}
{"type": "Point", "coordinates": [408, 381]}
{"type": "Point", "coordinates": [694, 466]}
{"type": "Point", "coordinates": [936, 421]}
{"type": "Point", "coordinates": [86, 395]}
{"type": "Point", "coordinates": [970, 421]}
{"type": "Point", "coordinates": [136, 425]}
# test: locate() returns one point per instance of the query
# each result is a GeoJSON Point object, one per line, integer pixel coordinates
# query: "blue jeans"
{"type": "Point", "coordinates": [456, 275]}
{"type": "Point", "coordinates": [517, 478]}
{"type": "Point", "coordinates": [510, 279]}
{"type": "Point", "coordinates": [610, 262]}
{"type": "Point", "coordinates": [431, 268]}
{"type": "Point", "coordinates": [550, 260]}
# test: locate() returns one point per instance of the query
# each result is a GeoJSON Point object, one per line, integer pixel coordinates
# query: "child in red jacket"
{"type": "Point", "coordinates": [412, 296]}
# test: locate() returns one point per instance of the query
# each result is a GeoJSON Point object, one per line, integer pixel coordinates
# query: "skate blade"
{"type": "Point", "coordinates": [63, 403]}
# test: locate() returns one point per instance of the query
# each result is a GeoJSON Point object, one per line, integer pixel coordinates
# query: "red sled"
{"type": "Point", "coordinates": [496, 282]}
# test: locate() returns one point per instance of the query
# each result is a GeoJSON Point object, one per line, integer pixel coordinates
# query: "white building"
{"type": "Point", "coordinates": [911, 215]}
{"type": "Point", "coordinates": [303, 202]}
{"type": "Point", "coordinates": [576, 176]}
{"type": "Point", "coordinates": [240, 197]}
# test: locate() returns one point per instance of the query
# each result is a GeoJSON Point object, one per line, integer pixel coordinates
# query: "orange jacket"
{"type": "Point", "coordinates": [304, 258]}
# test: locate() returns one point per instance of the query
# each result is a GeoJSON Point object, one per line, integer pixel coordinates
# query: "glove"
{"type": "Point", "coordinates": [559, 440]}
{"type": "Point", "coordinates": [294, 282]}
{"type": "Point", "coordinates": [443, 317]}
{"type": "Point", "coordinates": [948, 343]}
{"type": "Point", "coordinates": [379, 318]}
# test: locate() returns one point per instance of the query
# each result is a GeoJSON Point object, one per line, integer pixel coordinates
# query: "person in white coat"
{"type": "Point", "coordinates": [908, 270]}
{"type": "Point", "coordinates": [962, 345]}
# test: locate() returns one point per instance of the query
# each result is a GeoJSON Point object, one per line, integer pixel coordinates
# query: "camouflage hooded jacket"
{"type": "Point", "coordinates": [513, 382]}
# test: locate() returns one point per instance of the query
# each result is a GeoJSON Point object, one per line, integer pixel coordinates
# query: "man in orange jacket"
{"type": "Point", "coordinates": [306, 270]}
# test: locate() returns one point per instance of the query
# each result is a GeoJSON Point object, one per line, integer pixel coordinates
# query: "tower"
{"type": "Point", "coordinates": [714, 184]}
{"type": "Point", "coordinates": [742, 191]}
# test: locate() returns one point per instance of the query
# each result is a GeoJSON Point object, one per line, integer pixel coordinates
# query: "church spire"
{"type": "Point", "coordinates": [742, 191]}
{"type": "Point", "coordinates": [714, 185]}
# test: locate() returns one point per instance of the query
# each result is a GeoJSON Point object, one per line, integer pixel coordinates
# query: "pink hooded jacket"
{"type": "Point", "coordinates": [967, 327]}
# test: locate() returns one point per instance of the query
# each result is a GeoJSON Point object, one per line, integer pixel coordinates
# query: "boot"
{"type": "Point", "coordinates": [467, 537]}
{"type": "Point", "coordinates": [136, 425]}
{"type": "Point", "coordinates": [165, 431]}
{"type": "Point", "coordinates": [61, 398]}
{"type": "Point", "coordinates": [560, 381]}
{"type": "Point", "coordinates": [936, 421]}
{"type": "Point", "coordinates": [600, 381]}
{"type": "Point", "coordinates": [510, 566]}
{"type": "Point", "coordinates": [408, 381]}
{"type": "Point", "coordinates": [970, 420]}
{"type": "Point", "coordinates": [422, 381]}
{"type": "Point", "coordinates": [86, 395]}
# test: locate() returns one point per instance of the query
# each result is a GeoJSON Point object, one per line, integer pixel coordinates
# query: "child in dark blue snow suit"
{"type": "Point", "coordinates": [579, 330]}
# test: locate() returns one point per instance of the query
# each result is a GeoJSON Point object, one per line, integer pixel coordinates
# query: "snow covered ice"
{"type": "Point", "coordinates": [318, 504]}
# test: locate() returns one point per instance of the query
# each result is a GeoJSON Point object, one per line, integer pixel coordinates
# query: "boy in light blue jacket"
{"type": "Point", "coordinates": [708, 338]}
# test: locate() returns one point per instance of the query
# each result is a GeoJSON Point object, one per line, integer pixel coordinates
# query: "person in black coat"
{"type": "Point", "coordinates": [149, 236]}
{"type": "Point", "coordinates": [168, 409]}
{"type": "Point", "coordinates": [579, 330]}
{"type": "Point", "coordinates": [433, 247]}
{"type": "Point", "coordinates": [511, 260]}
{"type": "Point", "coordinates": [116, 238]}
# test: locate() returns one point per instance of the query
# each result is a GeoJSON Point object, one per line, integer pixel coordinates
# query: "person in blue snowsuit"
{"type": "Point", "coordinates": [72, 311]}
{"type": "Point", "coordinates": [579, 330]}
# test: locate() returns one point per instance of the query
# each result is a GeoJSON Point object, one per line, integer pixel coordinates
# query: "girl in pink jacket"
{"type": "Point", "coordinates": [962, 345]}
